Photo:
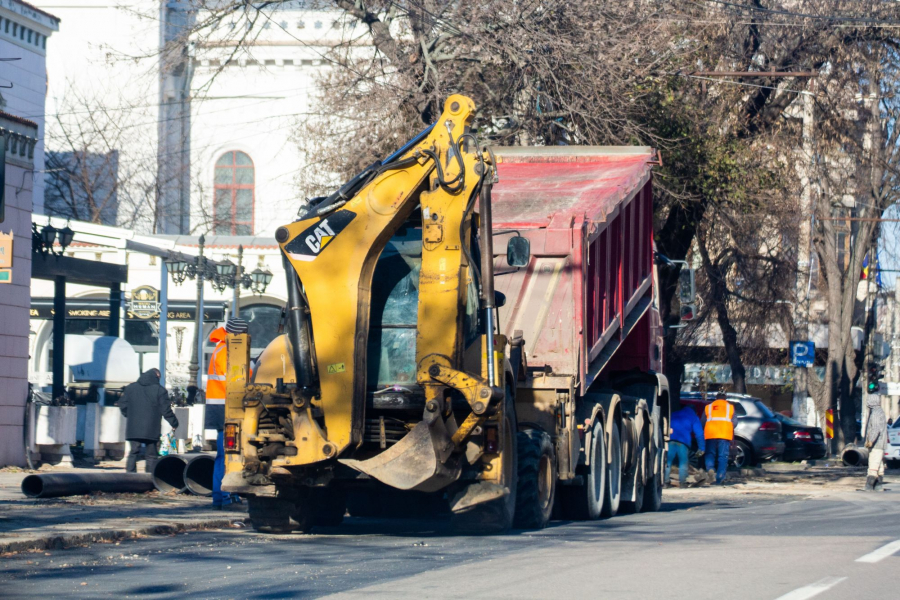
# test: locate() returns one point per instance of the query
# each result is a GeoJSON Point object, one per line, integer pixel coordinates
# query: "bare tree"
{"type": "Point", "coordinates": [857, 167]}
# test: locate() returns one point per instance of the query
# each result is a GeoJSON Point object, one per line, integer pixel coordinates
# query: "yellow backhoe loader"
{"type": "Point", "coordinates": [391, 369]}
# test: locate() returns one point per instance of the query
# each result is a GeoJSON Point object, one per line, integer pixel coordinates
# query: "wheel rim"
{"type": "Point", "coordinates": [739, 457]}
{"type": "Point", "coordinates": [598, 466]}
{"type": "Point", "coordinates": [615, 472]}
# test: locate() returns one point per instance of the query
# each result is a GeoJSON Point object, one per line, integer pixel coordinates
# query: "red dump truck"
{"type": "Point", "coordinates": [585, 314]}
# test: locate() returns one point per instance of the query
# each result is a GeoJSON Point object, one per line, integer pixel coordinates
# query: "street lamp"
{"type": "Point", "coordinates": [199, 269]}
{"type": "Point", "coordinates": [260, 280]}
{"type": "Point", "coordinates": [42, 241]}
{"type": "Point", "coordinates": [225, 275]}
{"type": "Point", "coordinates": [178, 269]}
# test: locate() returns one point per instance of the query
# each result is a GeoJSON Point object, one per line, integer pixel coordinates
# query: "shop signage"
{"type": "Point", "coordinates": [98, 308]}
{"type": "Point", "coordinates": [144, 303]}
{"type": "Point", "coordinates": [6, 250]}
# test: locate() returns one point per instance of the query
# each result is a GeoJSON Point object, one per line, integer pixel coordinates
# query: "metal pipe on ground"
{"type": "Point", "coordinates": [168, 474]}
{"type": "Point", "coordinates": [198, 474]}
{"type": "Point", "coordinates": [54, 485]}
{"type": "Point", "coordinates": [855, 457]}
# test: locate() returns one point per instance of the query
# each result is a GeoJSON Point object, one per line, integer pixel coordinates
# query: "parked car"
{"type": "Point", "coordinates": [757, 436]}
{"type": "Point", "coordinates": [892, 452]}
{"type": "Point", "coordinates": [801, 441]}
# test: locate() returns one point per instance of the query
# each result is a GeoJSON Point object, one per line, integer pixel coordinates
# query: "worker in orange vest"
{"type": "Point", "coordinates": [215, 403]}
{"type": "Point", "coordinates": [718, 430]}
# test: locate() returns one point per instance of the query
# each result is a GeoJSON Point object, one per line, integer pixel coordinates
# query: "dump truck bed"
{"type": "Point", "coordinates": [583, 302]}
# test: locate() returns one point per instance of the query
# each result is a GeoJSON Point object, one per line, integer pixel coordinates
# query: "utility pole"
{"type": "Point", "coordinates": [871, 326]}
{"type": "Point", "coordinates": [799, 404]}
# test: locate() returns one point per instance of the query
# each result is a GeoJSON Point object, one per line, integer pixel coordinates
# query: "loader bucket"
{"type": "Point", "coordinates": [410, 464]}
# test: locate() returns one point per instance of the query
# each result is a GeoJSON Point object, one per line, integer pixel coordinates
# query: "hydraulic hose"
{"type": "Point", "coordinates": [298, 329]}
{"type": "Point", "coordinates": [487, 278]}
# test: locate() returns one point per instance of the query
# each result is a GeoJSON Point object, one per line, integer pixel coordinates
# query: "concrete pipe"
{"type": "Point", "coordinates": [54, 485]}
{"type": "Point", "coordinates": [198, 474]}
{"type": "Point", "coordinates": [168, 475]}
{"type": "Point", "coordinates": [855, 457]}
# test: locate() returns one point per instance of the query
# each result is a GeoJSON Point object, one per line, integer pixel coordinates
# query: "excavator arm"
{"type": "Point", "coordinates": [332, 252]}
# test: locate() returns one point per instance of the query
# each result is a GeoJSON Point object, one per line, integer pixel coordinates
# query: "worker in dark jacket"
{"type": "Point", "coordinates": [685, 423]}
{"type": "Point", "coordinates": [145, 403]}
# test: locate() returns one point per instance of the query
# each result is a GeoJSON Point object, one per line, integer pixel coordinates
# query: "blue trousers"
{"type": "Point", "coordinates": [218, 497]}
{"type": "Point", "coordinates": [679, 451]}
{"type": "Point", "coordinates": [717, 457]}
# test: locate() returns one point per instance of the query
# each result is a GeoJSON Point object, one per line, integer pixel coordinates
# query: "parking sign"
{"type": "Point", "coordinates": [803, 354]}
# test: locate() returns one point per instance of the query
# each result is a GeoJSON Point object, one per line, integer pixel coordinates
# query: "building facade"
{"type": "Point", "coordinates": [200, 113]}
{"type": "Point", "coordinates": [24, 33]}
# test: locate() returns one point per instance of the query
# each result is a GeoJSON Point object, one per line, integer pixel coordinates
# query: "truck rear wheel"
{"type": "Point", "coordinates": [329, 506]}
{"type": "Point", "coordinates": [583, 503]}
{"type": "Point", "coordinates": [497, 516]}
{"type": "Point", "coordinates": [654, 489]}
{"type": "Point", "coordinates": [640, 473]}
{"type": "Point", "coordinates": [271, 515]}
{"type": "Point", "coordinates": [613, 497]}
{"type": "Point", "coordinates": [536, 479]}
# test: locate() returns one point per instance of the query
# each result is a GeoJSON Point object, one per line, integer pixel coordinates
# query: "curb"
{"type": "Point", "coordinates": [60, 542]}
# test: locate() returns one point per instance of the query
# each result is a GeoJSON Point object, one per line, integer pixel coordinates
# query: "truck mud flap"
{"type": "Point", "coordinates": [413, 463]}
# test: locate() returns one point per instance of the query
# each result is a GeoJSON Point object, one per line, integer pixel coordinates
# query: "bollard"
{"type": "Point", "coordinates": [168, 475]}
{"type": "Point", "coordinates": [198, 474]}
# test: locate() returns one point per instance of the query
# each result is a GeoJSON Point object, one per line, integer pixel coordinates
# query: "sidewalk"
{"type": "Point", "coordinates": [44, 523]}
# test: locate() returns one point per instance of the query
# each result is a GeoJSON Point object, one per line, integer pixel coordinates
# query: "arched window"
{"type": "Point", "coordinates": [233, 208]}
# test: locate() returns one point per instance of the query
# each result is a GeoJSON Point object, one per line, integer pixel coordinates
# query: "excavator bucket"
{"type": "Point", "coordinates": [410, 464]}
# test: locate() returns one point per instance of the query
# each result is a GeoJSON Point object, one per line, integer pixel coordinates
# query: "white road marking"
{"type": "Point", "coordinates": [881, 553]}
{"type": "Point", "coordinates": [813, 589]}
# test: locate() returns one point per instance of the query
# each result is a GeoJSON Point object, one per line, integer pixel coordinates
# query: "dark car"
{"type": "Point", "coordinates": [801, 441]}
{"type": "Point", "coordinates": [757, 436]}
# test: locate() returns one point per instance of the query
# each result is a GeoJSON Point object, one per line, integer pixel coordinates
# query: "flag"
{"type": "Point", "coordinates": [867, 268]}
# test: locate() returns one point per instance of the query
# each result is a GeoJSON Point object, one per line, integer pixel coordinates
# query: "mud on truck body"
{"type": "Point", "coordinates": [382, 395]}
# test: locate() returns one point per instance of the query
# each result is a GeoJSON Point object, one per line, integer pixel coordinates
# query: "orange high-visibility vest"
{"type": "Point", "coordinates": [218, 365]}
{"type": "Point", "coordinates": [718, 421]}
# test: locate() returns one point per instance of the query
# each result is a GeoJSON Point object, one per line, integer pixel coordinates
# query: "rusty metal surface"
{"type": "Point", "coordinates": [549, 187]}
{"type": "Point", "coordinates": [562, 200]}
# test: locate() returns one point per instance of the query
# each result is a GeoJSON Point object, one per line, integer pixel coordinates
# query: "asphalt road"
{"type": "Point", "coordinates": [737, 546]}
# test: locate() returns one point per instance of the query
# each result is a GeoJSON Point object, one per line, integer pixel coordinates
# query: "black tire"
{"type": "Point", "coordinates": [537, 474]}
{"type": "Point", "coordinates": [329, 506]}
{"type": "Point", "coordinates": [585, 502]}
{"type": "Point", "coordinates": [653, 491]}
{"type": "Point", "coordinates": [497, 516]}
{"type": "Point", "coordinates": [743, 455]}
{"type": "Point", "coordinates": [612, 500]}
{"type": "Point", "coordinates": [271, 515]}
{"type": "Point", "coordinates": [636, 505]}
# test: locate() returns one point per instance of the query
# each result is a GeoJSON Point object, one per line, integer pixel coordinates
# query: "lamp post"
{"type": "Point", "coordinates": [200, 269]}
{"type": "Point", "coordinates": [239, 276]}
{"type": "Point", "coordinates": [222, 275]}
{"type": "Point", "coordinates": [229, 275]}
{"type": "Point", "coordinates": [197, 358]}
